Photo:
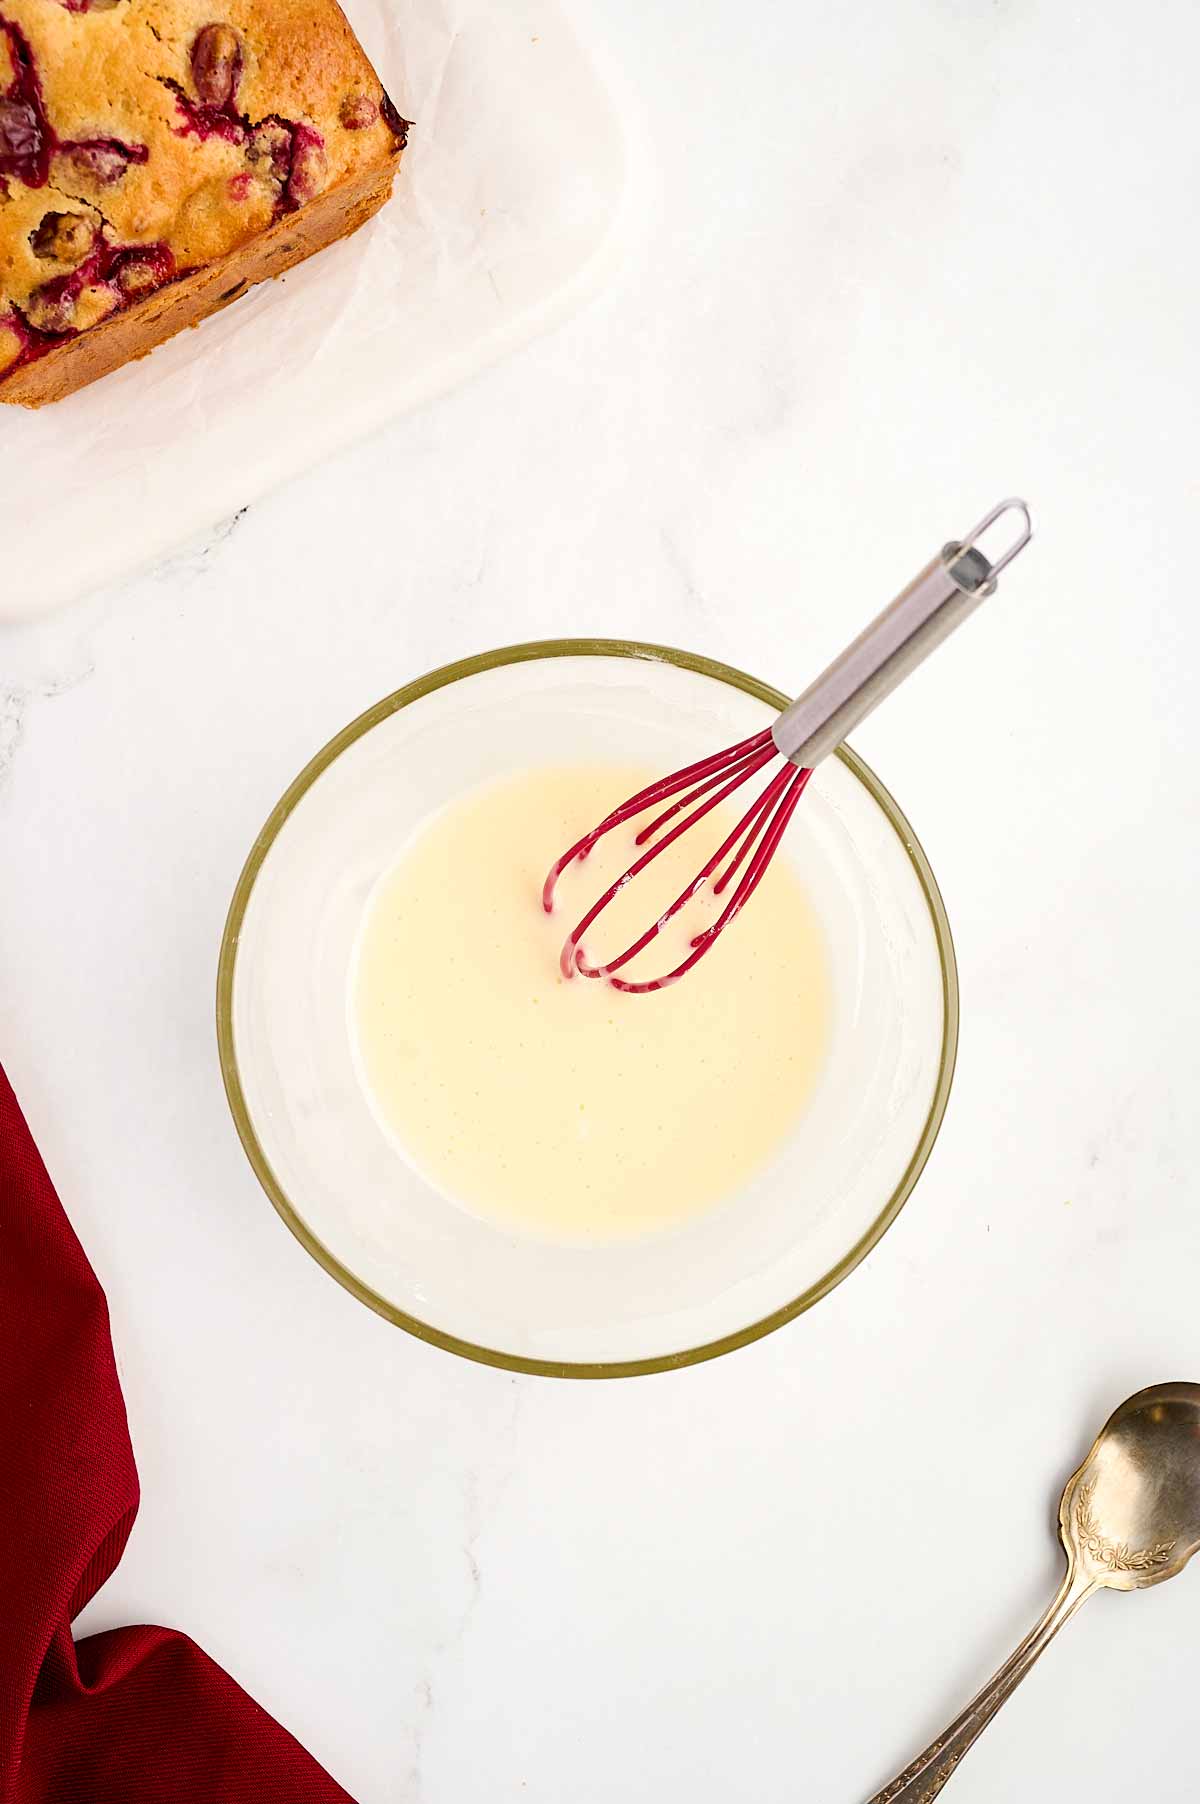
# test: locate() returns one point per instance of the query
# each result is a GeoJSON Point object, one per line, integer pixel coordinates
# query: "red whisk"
{"type": "Point", "coordinates": [933, 604]}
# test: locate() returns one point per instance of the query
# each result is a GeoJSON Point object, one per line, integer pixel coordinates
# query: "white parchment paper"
{"type": "Point", "coordinates": [503, 217]}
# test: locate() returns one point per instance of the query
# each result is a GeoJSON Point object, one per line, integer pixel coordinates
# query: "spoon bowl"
{"type": "Point", "coordinates": [1130, 1516]}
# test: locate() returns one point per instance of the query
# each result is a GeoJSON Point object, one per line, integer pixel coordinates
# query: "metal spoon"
{"type": "Point", "coordinates": [1129, 1517]}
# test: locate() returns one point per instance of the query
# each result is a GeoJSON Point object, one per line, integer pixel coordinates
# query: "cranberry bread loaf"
{"type": "Point", "coordinates": [156, 160]}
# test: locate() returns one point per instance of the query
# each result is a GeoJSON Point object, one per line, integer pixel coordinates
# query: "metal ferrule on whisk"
{"type": "Point", "coordinates": [948, 589]}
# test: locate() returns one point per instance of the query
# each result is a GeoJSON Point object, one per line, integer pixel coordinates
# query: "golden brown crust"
{"type": "Point", "coordinates": [178, 139]}
{"type": "Point", "coordinates": [136, 332]}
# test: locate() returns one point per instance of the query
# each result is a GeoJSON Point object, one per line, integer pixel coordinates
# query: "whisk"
{"type": "Point", "coordinates": [949, 588]}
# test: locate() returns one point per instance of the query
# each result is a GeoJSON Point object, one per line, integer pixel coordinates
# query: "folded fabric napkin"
{"type": "Point", "coordinates": [137, 1715]}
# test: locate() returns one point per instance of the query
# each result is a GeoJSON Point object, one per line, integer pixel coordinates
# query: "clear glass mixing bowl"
{"type": "Point", "coordinates": [383, 1231]}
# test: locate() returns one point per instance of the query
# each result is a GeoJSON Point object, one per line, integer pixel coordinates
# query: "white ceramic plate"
{"type": "Point", "coordinates": [381, 1228]}
{"type": "Point", "coordinates": [504, 218]}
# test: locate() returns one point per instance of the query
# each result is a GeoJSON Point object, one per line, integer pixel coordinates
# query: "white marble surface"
{"type": "Point", "coordinates": [898, 261]}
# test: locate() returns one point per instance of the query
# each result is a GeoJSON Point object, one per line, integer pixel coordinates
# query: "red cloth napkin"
{"type": "Point", "coordinates": [137, 1715]}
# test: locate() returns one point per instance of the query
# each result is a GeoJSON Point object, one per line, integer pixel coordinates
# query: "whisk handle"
{"type": "Point", "coordinates": [922, 615]}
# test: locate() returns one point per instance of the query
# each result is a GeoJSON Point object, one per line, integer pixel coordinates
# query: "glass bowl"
{"type": "Point", "coordinates": [719, 1279]}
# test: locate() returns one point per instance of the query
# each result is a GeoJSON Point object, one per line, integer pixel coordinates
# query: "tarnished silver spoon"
{"type": "Point", "coordinates": [1129, 1517]}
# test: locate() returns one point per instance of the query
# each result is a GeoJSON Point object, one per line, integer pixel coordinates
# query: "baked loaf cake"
{"type": "Point", "coordinates": [156, 160]}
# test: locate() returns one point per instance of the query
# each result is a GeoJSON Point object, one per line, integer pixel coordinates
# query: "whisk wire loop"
{"type": "Point", "coordinates": [754, 838]}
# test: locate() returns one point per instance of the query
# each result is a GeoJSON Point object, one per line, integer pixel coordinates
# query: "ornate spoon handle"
{"type": "Point", "coordinates": [923, 1779]}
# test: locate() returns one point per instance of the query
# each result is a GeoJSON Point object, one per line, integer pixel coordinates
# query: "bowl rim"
{"type": "Point", "coordinates": [530, 652]}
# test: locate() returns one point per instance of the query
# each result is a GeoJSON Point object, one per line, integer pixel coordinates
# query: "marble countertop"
{"type": "Point", "coordinates": [887, 272]}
